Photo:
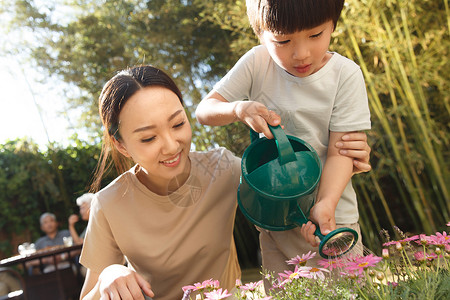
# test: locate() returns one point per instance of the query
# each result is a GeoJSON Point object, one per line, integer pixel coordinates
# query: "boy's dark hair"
{"type": "Point", "coordinates": [289, 16]}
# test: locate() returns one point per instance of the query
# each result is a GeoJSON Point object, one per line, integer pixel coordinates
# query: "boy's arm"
{"type": "Point", "coordinates": [336, 174]}
{"type": "Point", "coordinates": [215, 110]}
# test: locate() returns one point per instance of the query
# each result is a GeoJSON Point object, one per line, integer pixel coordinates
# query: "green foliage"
{"type": "Point", "coordinates": [25, 177]}
{"type": "Point", "coordinates": [400, 46]}
{"type": "Point", "coordinates": [33, 182]}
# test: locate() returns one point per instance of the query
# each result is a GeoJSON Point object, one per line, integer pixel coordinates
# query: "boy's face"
{"type": "Point", "coordinates": [301, 53]}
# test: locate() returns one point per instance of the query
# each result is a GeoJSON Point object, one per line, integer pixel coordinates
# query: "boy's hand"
{"type": "Point", "coordinates": [322, 215]}
{"type": "Point", "coordinates": [257, 116]}
{"type": "Point", "coordinates": [354, 145]}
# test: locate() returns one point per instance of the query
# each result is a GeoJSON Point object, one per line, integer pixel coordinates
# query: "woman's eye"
{"type": "Point", "coordinates": [148, 140]}
{"type": "Point", "coordinates": [179, 124]}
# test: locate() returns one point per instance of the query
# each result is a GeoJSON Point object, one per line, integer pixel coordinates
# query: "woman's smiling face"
{"type": "Point", "coordinates": [156, 134]}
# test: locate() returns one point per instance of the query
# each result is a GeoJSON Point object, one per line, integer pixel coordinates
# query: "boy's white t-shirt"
{"type": "Point", "coordinates": [332, 99]}
{"type": "Point", "coordinates": [175, 240]}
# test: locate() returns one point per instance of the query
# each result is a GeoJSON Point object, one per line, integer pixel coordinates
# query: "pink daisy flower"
{"type": "Point", "coordinates": [362, 263]}
{"type": "Point", "coordinates": [288, 276]}
{"type": "Point", "coordinates": [301, 260]}
{"type": "Point", "coordinates": [331, 263]}
{"type": "Point", "coordinates": [410, 239]}
{"type": "Point", "coordinates": [387, 244]}
{"type": "Point", "coordinates": [217, 295]}
{"type": "Point", "coordinates": [422, 256]}
{"type": "Point", "coordinates": [311, 272]}
{"type": "Point", "coordinates": [210, 283]}
{"type": "Point", "coordinates": [251, 286]}
{"type": "Point", "coordinates": [440, 239]}
{"type": "Point", "coordinates": [196, 287]}
{"type": "Point", "coordinates": [423, 240]}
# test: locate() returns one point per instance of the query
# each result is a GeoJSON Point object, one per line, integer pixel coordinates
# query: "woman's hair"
{"type": "Point", "coordinates": [113, 97]}
{"type": "Point", "coordinates": [289, 16]}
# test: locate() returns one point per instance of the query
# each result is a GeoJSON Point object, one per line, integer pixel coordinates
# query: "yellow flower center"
{"type": "Point", "coordinates": [363, 264]}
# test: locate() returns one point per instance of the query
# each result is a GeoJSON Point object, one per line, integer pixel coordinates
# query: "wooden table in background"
{"type": "Point", "coordinates": [59, 284]}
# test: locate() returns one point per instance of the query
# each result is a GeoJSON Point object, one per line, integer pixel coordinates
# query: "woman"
{"type": "Point", "coordinates": [169, 217]}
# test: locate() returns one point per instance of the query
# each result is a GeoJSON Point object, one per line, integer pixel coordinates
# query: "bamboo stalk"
{"type": "Point", "coordinates": [378, 109]}
{"type": "Point", "coordinates": [424, 135]}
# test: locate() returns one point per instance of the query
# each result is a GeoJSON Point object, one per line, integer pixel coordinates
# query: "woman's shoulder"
{"type": "Point", "coordinates": [119, 185]}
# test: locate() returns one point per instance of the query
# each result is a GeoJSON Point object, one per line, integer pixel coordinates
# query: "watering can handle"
{"type": "Point", "coordinates": [300, 219]}
{"type": "Point", "coordinates": [254, 136]}
{"type": "Point", "coordinates": [285, 152]}
{"type": "Point", "coordinates": [318, 233]}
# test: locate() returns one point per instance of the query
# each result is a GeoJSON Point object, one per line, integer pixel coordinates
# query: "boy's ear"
{"type": "Point", "coordinates": [120, 147]}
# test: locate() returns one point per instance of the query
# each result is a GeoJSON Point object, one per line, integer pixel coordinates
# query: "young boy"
{"type": "Point", "coordinates": [320, 96]}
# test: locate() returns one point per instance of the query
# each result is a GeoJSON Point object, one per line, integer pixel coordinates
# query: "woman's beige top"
{"type": "Point", "coordinates": [175, 240]}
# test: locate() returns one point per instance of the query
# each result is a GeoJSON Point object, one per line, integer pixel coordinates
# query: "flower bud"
{"type": "Point", "coordinates": [238, 282]}
{"type": "Point", "coordinates": [385, 253]}
{"type": "Point", "coordinates": [380, 276]}
{"type": "Point", "coordinates": [398, 246]}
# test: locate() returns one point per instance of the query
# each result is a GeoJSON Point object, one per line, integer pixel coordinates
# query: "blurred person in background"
{"type": "Point", "coordinates": [52, 238]}
{"type": "Point", "coordinates": [84, 202]}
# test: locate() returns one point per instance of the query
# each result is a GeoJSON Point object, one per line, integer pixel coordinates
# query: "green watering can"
{"type": "Point", "coordinates": [278, 188]}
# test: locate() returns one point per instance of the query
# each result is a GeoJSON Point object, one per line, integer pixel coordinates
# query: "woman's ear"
{"type": "Point", "coordinates": [120, 147]}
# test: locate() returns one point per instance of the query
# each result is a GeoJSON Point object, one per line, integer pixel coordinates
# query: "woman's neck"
{"type": "Point", "coordinates": [162, 186]}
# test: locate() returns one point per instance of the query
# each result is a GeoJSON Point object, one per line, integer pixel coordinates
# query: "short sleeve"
{"type": "Point", "coordinates": [237, 83]}
{"type": "Point", "coordinates": [99, 248]}
{"type": "Point", "coordinates": [351, 109]}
